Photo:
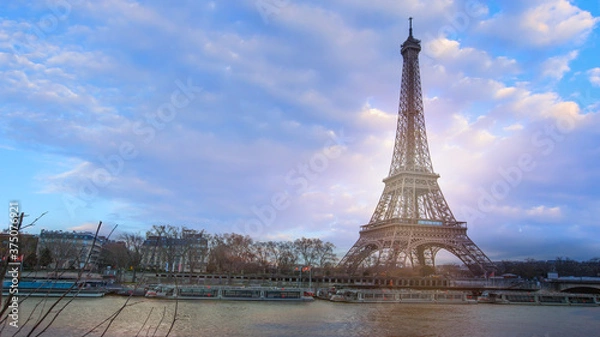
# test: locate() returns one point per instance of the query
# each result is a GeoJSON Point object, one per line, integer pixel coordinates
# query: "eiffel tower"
{"type": "Point", "coordinates": [412, 221]}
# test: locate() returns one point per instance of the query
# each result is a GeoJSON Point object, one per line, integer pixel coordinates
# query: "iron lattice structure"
{"type": "Point", "coordinates": [412, 221]}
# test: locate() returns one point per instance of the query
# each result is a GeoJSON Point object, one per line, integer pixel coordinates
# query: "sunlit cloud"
{"type": "Point", "coordinates": [556, 67]}
{"type": "Point", "coordinates": [542, 24]}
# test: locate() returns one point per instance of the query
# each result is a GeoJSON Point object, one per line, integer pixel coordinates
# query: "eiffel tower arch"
{"type": "Point", "coordinates": [412, 221]}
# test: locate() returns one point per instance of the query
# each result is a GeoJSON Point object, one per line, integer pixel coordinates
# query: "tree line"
{"type": "Point", "coordinates": [180, 249]}
{"type": "Point", "coordinates": [563, 266]}
{"type": "Point", "coordinates": [531, 268]}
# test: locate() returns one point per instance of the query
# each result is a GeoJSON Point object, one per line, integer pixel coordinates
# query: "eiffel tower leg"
{"type": "Point", "coordinates": [434, 251]}
{"type": "Point", "coordinates": [468, 252]}
{"type": "Point", "coordinates": [394, 257]}
{"type": "Point", "coordinates": [421, 255]}
{"type": "Point", "coordinates": [361, 250]}
{"type": "Point", "coordinates": [427, 258]}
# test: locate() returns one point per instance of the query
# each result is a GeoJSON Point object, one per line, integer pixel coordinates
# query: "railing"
{"type": "Point", "coordinates": [426, 222]}
{"type": "Point", "coordinates": [495, 283]}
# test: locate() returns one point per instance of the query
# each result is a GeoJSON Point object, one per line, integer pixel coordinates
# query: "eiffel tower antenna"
{"type": "Point", "coordinates": [412, 221]}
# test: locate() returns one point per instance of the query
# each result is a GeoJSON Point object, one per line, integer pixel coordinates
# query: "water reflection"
{"type": "Point", "coordinates": [145, 317]}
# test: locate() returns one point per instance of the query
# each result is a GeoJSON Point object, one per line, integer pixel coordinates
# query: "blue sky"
{"type": "Point", "coordinates": [276, 118]}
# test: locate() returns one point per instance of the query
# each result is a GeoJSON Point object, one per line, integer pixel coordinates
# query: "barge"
{"type": "Point", "coordinates": [564, 299]}
{"type": "Point", "coordinates": [401, 296]}
{"type": "Point", "coordinates": [229, 293]}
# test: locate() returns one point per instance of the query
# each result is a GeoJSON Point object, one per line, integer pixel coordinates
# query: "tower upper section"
{"type": "Point", "coordinates": [411, 194]}
{"type": "Point", "coordinates": [411, 42]}
{"type": "Point", "coordinates": [411, 151]}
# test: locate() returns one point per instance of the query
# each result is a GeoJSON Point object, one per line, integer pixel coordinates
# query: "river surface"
{"type": "Point", "coordinates": [153, 317]}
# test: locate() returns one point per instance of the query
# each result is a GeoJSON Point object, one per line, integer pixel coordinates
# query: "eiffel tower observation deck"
{"type": "Point", "coordinates": [412, 221]}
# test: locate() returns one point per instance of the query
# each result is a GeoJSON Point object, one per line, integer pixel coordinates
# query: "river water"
{"type": "Point", "coordinates": [153, 317]}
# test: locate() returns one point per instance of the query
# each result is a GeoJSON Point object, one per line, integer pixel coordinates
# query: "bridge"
{"type": "Point", "coordinates": [580, 285]}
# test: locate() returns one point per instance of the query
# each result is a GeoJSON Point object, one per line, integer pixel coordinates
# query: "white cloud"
{"type": "Point", "coordinates": [125, 13]}
{"type": "Point", "coordinates": [556, 67]}
{"type": "Point", "coordinates": [594, 76]}
{"type": "Point", "coordinates": [468, 59]}
{"type": "Point", "coordinates": [86, 227]}
{"type": "Point", "coordinates": [544, 212]}
{"type": "Point", "coordinates": [88, 181]}
{"type": "Point", "coordinates": [514, 127]}
{"type": "Point", "coordinates": [506, 92]}
{"type": "Point", "coordinates": [537, 215]}
{"type": "Point", "coordinates": [547, 105]}
{"type": "Point", "coordinates": [375, 118]}
{"type": "Point", "coordinates": [97, 62]}
{"type": "Point", "coordinates": [544, 24]}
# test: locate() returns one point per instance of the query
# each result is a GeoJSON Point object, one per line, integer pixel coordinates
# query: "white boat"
{"type": "Point", "coordinates": [229, 293]}
{"type": "Point", "coordinates": [401, 296]}
{"type": "Point", "coordinates": [564, 299]}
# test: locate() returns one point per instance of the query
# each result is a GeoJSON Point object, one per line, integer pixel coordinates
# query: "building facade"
{"type": "Point", "coordinates": [71, 250]}
{"type": "Point", "coordinates": [186, 253]}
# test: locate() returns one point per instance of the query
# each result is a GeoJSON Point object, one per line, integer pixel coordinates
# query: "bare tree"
{"type": "Point", "coordinates": [240, 251]}
{"type": "Point", "coordinates": [217, 258]}
{"type": "Point", "coordinates": [135, 251]}
{"type": "Point", "coordinates": [65, 253]}
{"type": "Point", "coordinates": [287, 256]}
{"type": "Point", "coordinates": [307, 249]}
{"type": "Point", "coordinates": [325, 256]}
{"type": "Point", "coordinates": [115, 255]}
{"type": "Point", "coordinates": [230, 252]}
{"type": "Point", "coordinates": [263, 255]}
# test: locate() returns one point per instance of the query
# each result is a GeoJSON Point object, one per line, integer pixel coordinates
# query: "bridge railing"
{"type": "Point", "coordinates": [495, 283]}
{"type": "Point", "coordinates": [575, 279]}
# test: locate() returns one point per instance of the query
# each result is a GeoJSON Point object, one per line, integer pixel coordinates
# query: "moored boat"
{"type": "Point", "coordinates": [135, 292]}
{"type": "Point", "coordinates": [564, 299]}
{"type": "Point", "coordinates": [229, 293]}
{"type": "Point", "coordinates": [401, 296]}
{"type": "Point", "coordinates": [54, 288]}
